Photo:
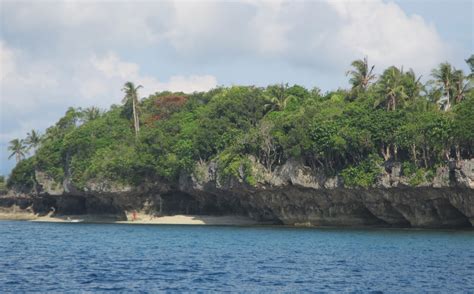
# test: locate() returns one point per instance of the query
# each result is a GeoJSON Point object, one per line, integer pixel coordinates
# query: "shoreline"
{"type": "Point", "coordinates": [141, 219]}
{"type": "Point", "coordinates": [194, 220]}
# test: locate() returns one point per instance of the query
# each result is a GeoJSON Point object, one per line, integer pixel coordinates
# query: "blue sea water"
{"type": "Point", "coordinates": [65, 257]}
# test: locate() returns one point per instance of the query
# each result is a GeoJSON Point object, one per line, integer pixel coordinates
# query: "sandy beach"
{"type": "Point", "coordinates": [190, 220]}
{"type": "Point", "coordinates": [140, 219]}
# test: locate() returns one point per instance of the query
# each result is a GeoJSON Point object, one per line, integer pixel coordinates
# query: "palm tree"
{"type": "Point", "coordinates": [444, 80]}
{"type": "Point", "coordinates": [131, 95]}
{"type": "Point", "coordinates": [459, 86]}
{"type": "Point", "coordinates": [278, 97]}
{"type": "Point", "coordinates": [414, 83]}
{"type": "Point", "coordinates": [413, 87]}
{"type": "Point", "coordinates": [361, 75]}
{"type": "Point", "coordinates": [392, 92]}
{"type": "Point", "coordinates": [470, 63]}
{"type": "Point", "coordinates": [33, 140]}
{"type": "Point", "coordinates": [391, 88]}
{"type": "Point", "coordinates": [91, 113]}
{"type": "Point", "coordinates": [18, 149]}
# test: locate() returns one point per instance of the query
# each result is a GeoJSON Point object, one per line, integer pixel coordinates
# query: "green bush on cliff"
{"type": "Point", "coordinates": [364, 174]}
{"type": "Point", "coordinates": [417, 175]}
{"type": "Point", "coordinates": [417, 178]}
{"type": "Point", "coordinates": [237, 166]}
{"type": "Point", "coordinates": [3, 185]}
{"type": "Point", "coordinates": [23, 175]}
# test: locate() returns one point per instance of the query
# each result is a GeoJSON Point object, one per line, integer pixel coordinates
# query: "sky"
{"type": "Point", "coordinates": [79, 53]}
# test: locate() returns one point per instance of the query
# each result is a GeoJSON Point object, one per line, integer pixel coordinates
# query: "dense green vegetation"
{"type": "Point", "coordinates": [392, 117]}
{"type": "Point", "coordinates": [3, 187]}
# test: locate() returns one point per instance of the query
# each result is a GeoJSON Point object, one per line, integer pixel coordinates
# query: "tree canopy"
{"type": "Point", "coordinates": [392, 117]}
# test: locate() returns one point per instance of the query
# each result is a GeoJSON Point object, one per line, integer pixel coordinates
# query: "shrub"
{"type": "Point", "coordinates": [22, 177]}
{"type": "Point", "coordinates": [364, 174]}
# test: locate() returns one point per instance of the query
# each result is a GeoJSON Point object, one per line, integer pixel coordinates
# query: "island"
{"type": "Point", "coordinates": [389, 151]}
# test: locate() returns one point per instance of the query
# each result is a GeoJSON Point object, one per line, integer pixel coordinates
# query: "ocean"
{"type": "Point", "coordinates": [78, 257]}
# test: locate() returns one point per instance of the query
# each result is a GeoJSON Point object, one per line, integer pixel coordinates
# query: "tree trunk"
{"type": "Point", "coordinates": [413, 151]}
{"type": "Point", "coordinates": [448, 104]}
{"type": "Point", "coordinates": [136, 115]}
{"type": "Point", "coordinates": [424, 157]}
{"type": "Point", "coordinates": [458, 152]}
{"type": "Point", "coordinates": [385, 152]}
{"type": "Point", "coordinates": [135, 122]}
{"type": "Point", "coordinates": [447, 153]}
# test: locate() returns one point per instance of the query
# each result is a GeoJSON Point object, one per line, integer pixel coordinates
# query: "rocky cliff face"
{"type": "Point", "coordinates": [293, 194]}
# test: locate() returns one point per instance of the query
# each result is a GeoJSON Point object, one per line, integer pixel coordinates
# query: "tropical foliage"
{"type": "Point", "coordinates": [354, 132]}
{"type": "Point", "coordinates": [131, 100]}
{"type": "Point", "coordinates": [33, 140]}
{"type": "Point", "coordinates": [18, 149]}
{"type": "Point", "coordinates": [3, 186]}
{"type": "Point", "coordinates": [360, 74]}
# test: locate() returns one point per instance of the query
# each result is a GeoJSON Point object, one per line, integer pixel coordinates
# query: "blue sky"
{"type": "Point", "coordinates": [79, 53]}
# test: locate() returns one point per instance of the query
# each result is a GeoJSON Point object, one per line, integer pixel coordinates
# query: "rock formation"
{"type": "Point", "coordinates": [292, 194]}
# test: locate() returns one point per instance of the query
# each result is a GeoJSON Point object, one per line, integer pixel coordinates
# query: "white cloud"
{"type": "Point", "coordinates": [189, 84]}
{"type": "Point", "coordinates": [319, 34]}
{"type": "Point", "coordinates": [34, 89]}
{"type": "Point", "coordinates": [111, 66]}
{"type": "Point", "coordinates": [328, 34]}
{"type": "Point", "coordinates": [22, 80]}
{"type": "Point", "coordinates": [109, 69]}
{"type": "Point", "coordinates": [385, 33]}
{"type": "Point", "coordinates": [6, 60]}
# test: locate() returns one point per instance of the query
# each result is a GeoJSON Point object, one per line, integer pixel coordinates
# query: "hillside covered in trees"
{"type": "Point", "coordinates": [351, 132]}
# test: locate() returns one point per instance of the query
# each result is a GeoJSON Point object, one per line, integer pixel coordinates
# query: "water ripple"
{"type": "Point", "coordinates": [40, 257]}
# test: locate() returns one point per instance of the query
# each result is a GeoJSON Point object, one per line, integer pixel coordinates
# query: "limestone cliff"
{"type": "Point", "coordinates": [292, 194]}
